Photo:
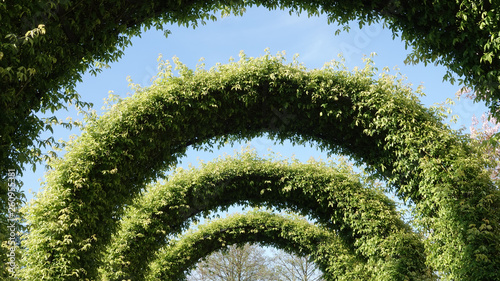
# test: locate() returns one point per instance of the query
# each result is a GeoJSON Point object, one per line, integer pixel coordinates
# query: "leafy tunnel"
{"type": "Point", "coordinates": [378, 122]}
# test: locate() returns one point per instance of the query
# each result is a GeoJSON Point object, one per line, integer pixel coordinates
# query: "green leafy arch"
{"type": "Point", "coordinates": [293, 235]}
{"type": "Point", "coordinates": [378, 122]}
{"type": "Point", "coordinates": [364, 219]}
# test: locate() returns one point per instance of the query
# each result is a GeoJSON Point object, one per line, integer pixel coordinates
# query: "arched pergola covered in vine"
{"type": "Point", "coordinates": [377, 122]}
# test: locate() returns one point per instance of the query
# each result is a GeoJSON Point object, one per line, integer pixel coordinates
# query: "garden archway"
{"type": "Point", "coordinates": [377, 122]}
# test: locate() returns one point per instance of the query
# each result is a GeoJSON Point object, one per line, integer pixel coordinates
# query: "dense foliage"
{"type": "Point", "coordinates": [45, 46]}
{"type": "Point", "coordinates": [378, 122]}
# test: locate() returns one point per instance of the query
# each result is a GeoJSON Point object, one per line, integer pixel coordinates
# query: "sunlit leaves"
{"type": "Point", "coordinates": [294, 234]}
{"type": "Point", "coordinates": [45, 47]}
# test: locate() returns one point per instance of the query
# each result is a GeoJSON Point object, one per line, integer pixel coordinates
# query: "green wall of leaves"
{"type": "Point", "coordinates": [292, 234]}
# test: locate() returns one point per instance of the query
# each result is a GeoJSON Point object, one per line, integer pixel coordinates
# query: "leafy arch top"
{"type": "Point", "coordinates": [462, 35]}
{"type": "Point", "coordinates": [376, 121]}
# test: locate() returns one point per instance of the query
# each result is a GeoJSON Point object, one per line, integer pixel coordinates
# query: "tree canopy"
{"type": "Point", "coordinates": [292, 267]}
{"type": "Point", "coordinates": [378, 122]}
{"type": "Point", "coordinates": [246, 262]}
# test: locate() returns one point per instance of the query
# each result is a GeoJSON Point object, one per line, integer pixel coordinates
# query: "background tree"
{"type": "Point", "coordinates": [290, 267]}
{"type": "Point", "coordinates": [484, 135]}
{"type": "Point", "coordinates": [247, 262]}
{"type": "Point", "coordinates": [250, 262]}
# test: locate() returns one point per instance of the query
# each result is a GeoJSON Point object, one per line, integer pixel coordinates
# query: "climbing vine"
{"type": "Point", "coordinates": [45, 47]}
{"type": "Point", "coordinates": [376, 121]}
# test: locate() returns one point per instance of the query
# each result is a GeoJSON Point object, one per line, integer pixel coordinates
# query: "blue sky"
{"type": "Point", "coordinates": [312, 38]}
